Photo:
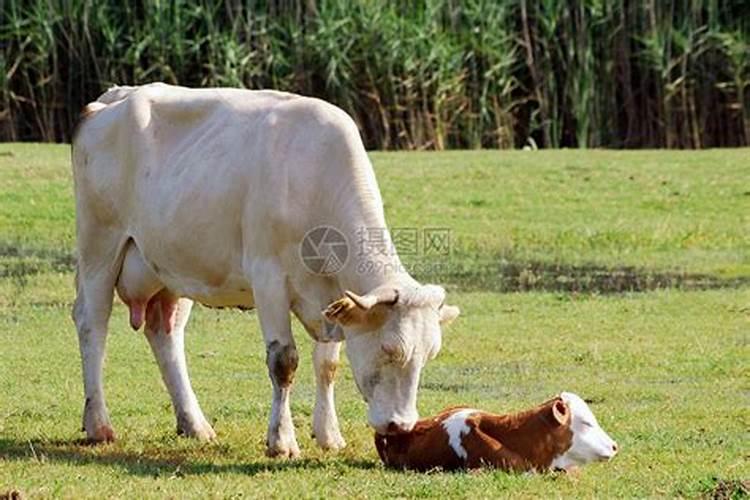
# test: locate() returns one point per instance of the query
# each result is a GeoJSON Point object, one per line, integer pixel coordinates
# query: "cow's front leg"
{"type": "Point", "coordinates": [325, 422]}
{"type": "Point", "coordinates": [282, 363]}
{"type": "Point", "coordinates": [272, 302]}
{"type": "Point", "coordinates": [166, 318]}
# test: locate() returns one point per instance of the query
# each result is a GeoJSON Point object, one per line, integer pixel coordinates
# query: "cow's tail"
{"type": "Point", "coordinates": [116, 93]}
{"type": "Point", "coordinates": [87, 112]}
{"type": "Point", "coordinates": [111, 96]}
{"type": "Point", "coordinates": [91, 109]}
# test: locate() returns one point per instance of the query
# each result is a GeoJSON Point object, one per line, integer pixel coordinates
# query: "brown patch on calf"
{"type": "Point", "coordinates": [282, 361]}
{"type": "Point", "coordinates": [524, 441]}
{"type": "Point", "coordinates": [426, 447]}
{"type": "Point", "coordinates": [536, 436]}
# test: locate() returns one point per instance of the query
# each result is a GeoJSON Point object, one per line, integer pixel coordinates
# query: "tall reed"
{"type": "Point", "coordinates": [423, 74]}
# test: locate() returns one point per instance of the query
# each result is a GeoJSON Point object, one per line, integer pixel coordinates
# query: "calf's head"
{"type": "Point", "coordinates": [590, 442]}
{"type": "Point", "coordinates": [390, 334]}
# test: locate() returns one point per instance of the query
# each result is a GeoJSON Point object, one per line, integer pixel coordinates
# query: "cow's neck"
{"type": "Point", "coordinates": [532, 434]}
{"type": "Point", "coordinates": [373, 260]}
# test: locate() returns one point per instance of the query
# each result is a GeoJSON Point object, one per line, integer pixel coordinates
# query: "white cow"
{"type": "Point", "coordinates": [206, 194]}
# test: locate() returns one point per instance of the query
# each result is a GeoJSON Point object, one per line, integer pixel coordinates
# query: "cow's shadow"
{"type": "Point", "coordinates": [178, 463]}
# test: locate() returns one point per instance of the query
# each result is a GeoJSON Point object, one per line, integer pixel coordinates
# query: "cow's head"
{"type": "Point", "coordinates": [590, 442]}
{"type": "Point", "coordinates": [390, 334]}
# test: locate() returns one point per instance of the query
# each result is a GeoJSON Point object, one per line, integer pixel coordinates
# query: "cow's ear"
{"type": "Point", "coordinates": [448, 314]}
{"type": "Point", "coordinates": [350, 314]}
{"type": "Point", "coordinates": [560, 412]}
{"type": "Point", "coordinates": [343, 311]}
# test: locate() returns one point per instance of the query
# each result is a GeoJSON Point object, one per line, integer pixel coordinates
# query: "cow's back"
{"type": "Point", "coordinates": [199, 178]}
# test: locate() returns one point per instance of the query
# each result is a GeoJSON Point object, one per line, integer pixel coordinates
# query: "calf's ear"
{"type": "Point", "coordinates": [561, 412]}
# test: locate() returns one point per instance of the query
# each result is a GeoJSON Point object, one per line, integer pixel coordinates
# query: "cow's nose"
{"type": "Point", "coordinates": [394, 427]}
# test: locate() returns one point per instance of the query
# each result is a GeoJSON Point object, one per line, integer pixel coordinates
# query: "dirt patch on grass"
{"type": "Point", "coordinates": [727, 489]}
{"type": "Point", "coordinates": [499, 274]}
{"type": "Point", "coordinates": [527, 276]}
{"type": "Point", "coordinates": [20, 262]}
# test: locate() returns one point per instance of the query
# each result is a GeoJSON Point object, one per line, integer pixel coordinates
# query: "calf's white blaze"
{"type": "Point", "coordinates": [456, 427]}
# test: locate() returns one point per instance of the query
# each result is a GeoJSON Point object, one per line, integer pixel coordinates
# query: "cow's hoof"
{"type": "Point", "coordinates": [205, 433]}
{"type": "Point", "coordinates": [290, 453]}
{"type": "Point", "coordinates": [100, 434]}
{"type": "Point", "coordinates": [330, 441]}
{"type": "Point", "coordinates": [196, 428]}
{"type": "Point", "coordinates": [283, 451]}
{"type": "Point", "coordinates": [96, 424]}
{"type": "Point", "coordinates": [326, 431]}
{"type": "Point", "coordinates": [335, 445]}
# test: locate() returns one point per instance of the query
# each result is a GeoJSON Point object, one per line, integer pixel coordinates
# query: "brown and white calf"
{"type": "Point", "coordinates": [561, 433]}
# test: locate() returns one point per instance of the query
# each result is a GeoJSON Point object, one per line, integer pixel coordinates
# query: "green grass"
{"type": "Point", "coordinates": [666, 369]}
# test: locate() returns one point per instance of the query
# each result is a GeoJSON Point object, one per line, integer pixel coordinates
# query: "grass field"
{"type": "Point", "coordinates": [623, 276]}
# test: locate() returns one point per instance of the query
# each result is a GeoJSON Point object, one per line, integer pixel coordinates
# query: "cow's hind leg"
{"type": "Point", "coordinates": [91, 311]}
{"type": "Point", "coordinates": [166, 317]}
{"type": "Point", "coordinates": [325, 422]}
{"type": "Point", "coordinates": [272, 302]}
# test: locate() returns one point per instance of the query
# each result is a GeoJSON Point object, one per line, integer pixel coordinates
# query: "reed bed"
{"type": "Point", "coordinates": [420, 74]}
